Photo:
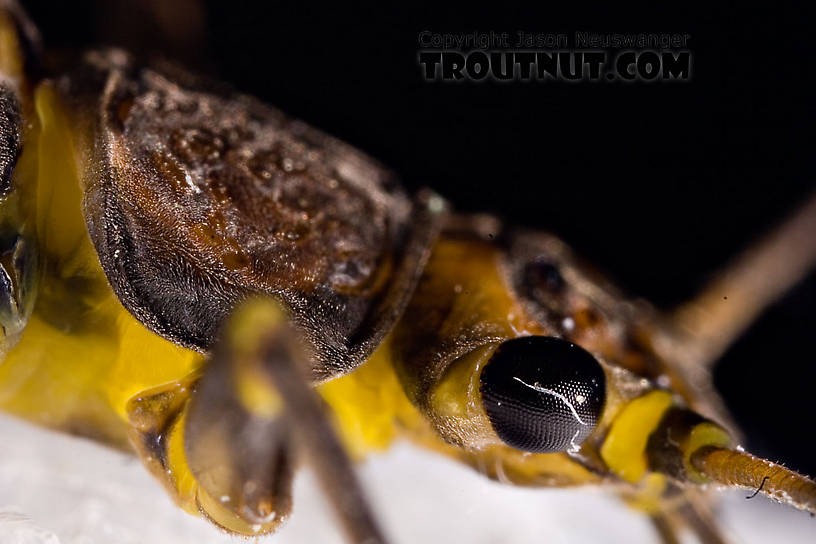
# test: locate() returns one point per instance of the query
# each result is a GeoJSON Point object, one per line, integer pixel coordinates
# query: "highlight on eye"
{"type": "Point", "coordinates": [543, 394]}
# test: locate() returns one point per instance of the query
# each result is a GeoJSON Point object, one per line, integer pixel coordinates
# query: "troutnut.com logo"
{"type": "Point", "coordinates": [523, 56]}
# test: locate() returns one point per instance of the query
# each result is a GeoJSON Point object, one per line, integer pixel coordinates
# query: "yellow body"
{"type": "Point", "coordinates": [225, 439]}
{"type": "Point", "coordinates": [84, 364]}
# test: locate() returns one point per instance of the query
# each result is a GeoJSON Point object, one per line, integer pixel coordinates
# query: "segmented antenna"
{"type": "Point", "coordinates": [736, 468]}
{"type": "Point", "coordinates": [734, 299]}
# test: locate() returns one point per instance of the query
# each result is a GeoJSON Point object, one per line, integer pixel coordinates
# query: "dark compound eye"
{"type": "Point", "coordinates": [543, 394]}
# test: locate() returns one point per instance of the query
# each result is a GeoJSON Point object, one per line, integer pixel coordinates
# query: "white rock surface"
{"type": "Point", "coordinates": [56, 489]}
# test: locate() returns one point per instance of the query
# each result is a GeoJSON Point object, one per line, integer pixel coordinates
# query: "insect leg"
{"type": "Point", "coordinates": [665, 528]}
{"type": "Point", "coordinates": [265, 366]}
{"type": "Point", "coordinates": [698, 518]}
{"type": "Point", "coordinates": [681, 508]}
{"type": "Point", "coordinates": [710, 322]}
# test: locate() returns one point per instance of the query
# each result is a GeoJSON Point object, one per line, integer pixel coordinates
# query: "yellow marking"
{"type": "Point", "coordinates": [82, 355]}
{"type": "Point", "coordinates": [245, 332]}
{"type": "Point", "coordinates": [178, 474]}
{"type": "Point", "coordinates": [250, 323]}
{"type": "Point", "coordinates": [456, 400]}
{"type": "Point", "coordinates": [255, 393]}
{"type": "Point", "coordinates": [649, 497]}
{"type": "Point", "coordinates": [227, 519]}
{"type": "Point", "coordinates": [458, 389]}
{"type": "Point", "coordinates": [703, 434]}
{"type": "Point", "coordinates": [531, 469]}
{"type": "Point", "coordinates": [624, 448]}
{"type": "Point", "coordinates": [370, 406]}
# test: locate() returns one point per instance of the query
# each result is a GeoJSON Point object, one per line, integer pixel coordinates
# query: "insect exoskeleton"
{"type": "Point", "coordinates": [182, 267]}
{"type": "Point", "coordinates": [197, 199]}
{"type": "Point", "coordinates": [158, 203]}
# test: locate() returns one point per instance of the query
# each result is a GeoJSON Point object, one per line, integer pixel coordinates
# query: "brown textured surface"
{"type": "Point", "coordinates": [196, 199]}
{"type": "Point", "coordinates": [10, 145]}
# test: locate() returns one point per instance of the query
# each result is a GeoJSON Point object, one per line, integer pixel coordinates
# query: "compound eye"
{"type": "Point", "coordinates": [542, 394]}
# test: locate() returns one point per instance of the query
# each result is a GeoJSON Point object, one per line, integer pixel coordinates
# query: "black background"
{"type": "Point", "coordinates": [656, 183]}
